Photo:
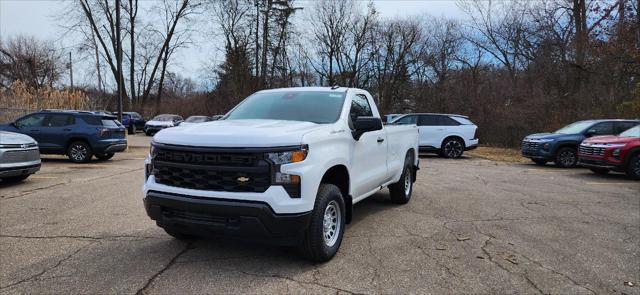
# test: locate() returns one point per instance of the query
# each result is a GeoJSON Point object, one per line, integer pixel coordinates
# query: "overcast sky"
{"type": "Point", "coordinates": [38, 18]}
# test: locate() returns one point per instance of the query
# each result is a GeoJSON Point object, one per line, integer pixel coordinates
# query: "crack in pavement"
{"type": "Point", "coordinates": [38, 275]}
{"type": "Point", "coordinates": [67, 182]}
{"type": "Point", "coordinates": [171, 262]}
{"type": "Point", "coordinates": [81, 237]}
{"type": "Point", "coordinates": [278, 276]}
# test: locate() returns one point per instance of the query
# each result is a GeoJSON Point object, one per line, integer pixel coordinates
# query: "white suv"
{"type": "Point", "coordinates": [448, 135]}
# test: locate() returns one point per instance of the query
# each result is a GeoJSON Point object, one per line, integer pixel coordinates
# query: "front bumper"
{"type": "Point", "coordinates": [153, 128]}
{"type": "Point", "coordinates": [599, 163]}
{"type": "Point", "coordinates": [235, 218]}
{"type": "Point", "coordinates": [19, 170]}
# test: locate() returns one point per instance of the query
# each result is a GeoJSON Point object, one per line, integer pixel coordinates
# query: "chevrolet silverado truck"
{"type": "Point", "coordinates": [285, 166]}
{"type": "Point", "coordinates": [619, 153]}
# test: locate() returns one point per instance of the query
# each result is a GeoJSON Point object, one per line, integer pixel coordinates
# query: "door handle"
{"type": "Point", "coordinates": [380, 139]}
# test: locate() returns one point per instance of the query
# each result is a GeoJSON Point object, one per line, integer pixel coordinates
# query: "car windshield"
{"type": "Point", "coordinates": [310, 106]}
{"type": "Point", "coordinates": [196, 119]}
{"type": "Point", "coordinates": [632, 132]}
{"type": "Point", "coordinates": [163, 118]}
{"type": "Point", "coordinates": [575, 128]}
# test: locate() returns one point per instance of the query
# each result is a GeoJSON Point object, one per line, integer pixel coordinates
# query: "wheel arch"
{"type": "Point", "coordinates": [338, 175]}
{"type": "Point", "coordinates": [452, 136]}
{"type": "Point", "coordinates": [632, 153]}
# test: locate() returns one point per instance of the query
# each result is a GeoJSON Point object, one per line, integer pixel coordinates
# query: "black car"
{"type": "Point", "coordinates": [561, 146]}
{"type": "Point", "coordinates": [77, 134]}
{"type": "Point", "coordinates": [132, 121]}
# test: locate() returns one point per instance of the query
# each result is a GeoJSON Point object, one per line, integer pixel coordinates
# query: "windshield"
{"type": "Point", "coordinates": [575, 128]}
{"type": "Point", "coordinates": [310, 106]}
{"type": "Point", "coordinates": [163, 118]}
{"type": "Point", "coordinates": [632, 132]}
{"type": "Point", "coordinates": [196, 119]}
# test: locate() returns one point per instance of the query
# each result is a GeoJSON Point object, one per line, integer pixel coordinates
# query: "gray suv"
{"type": "Point", "coordinates": [19, 156]}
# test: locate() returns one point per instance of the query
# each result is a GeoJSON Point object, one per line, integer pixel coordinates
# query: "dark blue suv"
{"type": "Point", "coordinates": [561, 146]}
{"type": "Point", "coordinates": [77, 134]}
{"type": "Point", "coordinates": [132, 121]}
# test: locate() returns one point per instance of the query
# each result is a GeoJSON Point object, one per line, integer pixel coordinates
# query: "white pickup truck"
{"type": "Point", "coordinates": [285, 166]}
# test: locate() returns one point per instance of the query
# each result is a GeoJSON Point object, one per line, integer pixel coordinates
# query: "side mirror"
{"type": "Point", "coordinates": [363, 125]}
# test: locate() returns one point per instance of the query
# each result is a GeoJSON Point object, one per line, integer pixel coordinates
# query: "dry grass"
{"type": "Point", "coordinates": [498, 154]}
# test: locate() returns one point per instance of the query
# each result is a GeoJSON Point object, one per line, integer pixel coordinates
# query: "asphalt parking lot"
{"type": "Point", "coordinates": [472, 226]}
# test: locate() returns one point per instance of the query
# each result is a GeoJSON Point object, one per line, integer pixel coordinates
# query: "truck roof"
{"type": "Point", "coordinates": [314, 88]}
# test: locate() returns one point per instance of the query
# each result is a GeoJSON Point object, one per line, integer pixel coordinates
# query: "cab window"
{"type": "Point", "coordinates": [30, 121]}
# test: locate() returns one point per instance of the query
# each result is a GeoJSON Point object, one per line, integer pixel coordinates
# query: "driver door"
{"type": "Point", "coordinates": [369, 155]}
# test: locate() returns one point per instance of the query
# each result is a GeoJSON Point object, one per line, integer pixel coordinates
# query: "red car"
{"type": "Point", "coordinates": [619, 153]}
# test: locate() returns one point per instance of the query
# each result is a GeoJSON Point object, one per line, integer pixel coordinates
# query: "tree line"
{"type": "Point", "coordinates": [514, 66]}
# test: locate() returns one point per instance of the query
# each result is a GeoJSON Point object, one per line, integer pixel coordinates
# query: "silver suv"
{"type": "Point", "coordinates": [19, 156]}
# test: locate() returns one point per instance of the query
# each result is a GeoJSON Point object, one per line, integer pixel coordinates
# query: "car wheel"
{"type": "Point", "coordinates": [326, 228]}
{"type": "Point", "coordinates": [105, 156]}
{"type": "Point", "coordinates": [566, 157]}
{"type": "Point", "coordinates": [132, 129]}
{"type": "Point", "coordinates": [178, 235]}
{"type": "Point", "coordinates": [601, 171]}
{"type": "Point", "coordinates": [14, 179]}
{"type": "Point", "coordinates": [148, 133]}
{"type": "Point", "coordinates": [452, 148]}
{"type": "Point", "coordinates": [400, 191]}
{"type": "Point", "coordinates": [633, 170]}
{"type": "Point", "coordinates": [539, 162]}
{"type": "Point", "coordinates": [79, 152]}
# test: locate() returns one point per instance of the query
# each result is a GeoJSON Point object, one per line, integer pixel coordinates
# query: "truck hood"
{"type": "Point", "coordinates": [238, 133]}
{"type": "Point", "coordinates": [15, 138]}
{"type": "Point", "coordinates": [609, 139]}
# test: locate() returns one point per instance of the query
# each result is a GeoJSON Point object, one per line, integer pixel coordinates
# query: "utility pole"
{"type": "Point", "coordinates": [119, 60]}
{"type": "Point", "coordinates": [70, 69]}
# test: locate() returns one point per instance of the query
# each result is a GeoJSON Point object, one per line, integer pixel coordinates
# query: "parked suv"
{"type": "Point", "coordinates": [132, 121]}
{"type": "Point", "coordinates": [561, 146]}
{"type": "Point", "coordinates": [446, 134]}
{"type": "Point", "coordinates": [619, 153]}
{"type": "Point", "coordinates": [19, 156]}
{"type": "Point", "coordinates": [77, 134]}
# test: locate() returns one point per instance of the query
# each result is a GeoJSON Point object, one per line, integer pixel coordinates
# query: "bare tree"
{"type": "Point", "coordinates": [34, 62]}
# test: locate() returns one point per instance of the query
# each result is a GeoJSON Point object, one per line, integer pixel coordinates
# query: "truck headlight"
{"type": "Point", "coordinates": [288, 157]}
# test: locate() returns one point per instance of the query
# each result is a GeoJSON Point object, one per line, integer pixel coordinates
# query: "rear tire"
{"type": "Point", "coordinates": [148, 133]}
{"type": "Point", "coordinates": [326, 228]}
{"type": "Point", "coordinates": [132, 129]}
{"type": "Point", "coordinates": [15, 179]}
{"type": "Point", "coordinates": [79, 152]}
{"type": "Point", "coordinates": [400, 192]}
{"type": "Point", "coordinates": [539, 162]}
{"type": "Point", "coordinates": [566, 157]}
{"type": "Point", "coordinates": [601, 171]}
{"type": "Point", "coordinates": [452, 148]}
{"type": "Point", "coordinates": [633, 170]}
{"type": "Point", "coordinates": [105, 156]}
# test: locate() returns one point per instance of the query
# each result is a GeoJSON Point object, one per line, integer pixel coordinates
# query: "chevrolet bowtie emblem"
{"type": "Point", "coordinates": [242, 179]}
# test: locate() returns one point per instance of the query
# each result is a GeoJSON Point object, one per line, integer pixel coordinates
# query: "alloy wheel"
{"type": "Point", "coordinates": [79, 152]}
{"type": "Point", "coordinates": [407, 183]}
{"type": "Point", "coordinates": [453, 149]}
{"type": "Point", "coordinates": [567, 158]}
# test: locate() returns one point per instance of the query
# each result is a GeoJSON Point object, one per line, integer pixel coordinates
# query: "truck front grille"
{"type": "Point", "coordinates": [19, 156]}
{"type": "Point", "coordinates": [592, 151]}
{"type": "Point", "coordinates": [212, 171]}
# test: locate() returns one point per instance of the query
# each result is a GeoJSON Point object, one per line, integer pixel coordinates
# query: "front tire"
{"type": "Point", "coordinates": [566, 157]}
{"type": "Point", "coordinates": [452, 148]}
{"type": "Point", "coordinates": [326, 229]}
{"type": "Point", "coordinates": [400, 192]}
{"type": "Point", "coordinates": [633, 170]}
{"type": "Point", "coordinates": [601, 171]}
{"type": "Point", "coordinates": [79, 152]}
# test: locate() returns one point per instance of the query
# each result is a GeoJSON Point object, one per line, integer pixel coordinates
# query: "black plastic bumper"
{"type": "Point", "coordinates": [221, 217]}
{"type": "Point", "coordinates": [602, 164]}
